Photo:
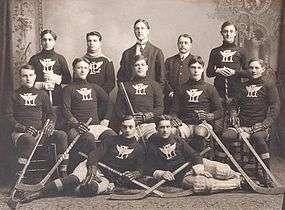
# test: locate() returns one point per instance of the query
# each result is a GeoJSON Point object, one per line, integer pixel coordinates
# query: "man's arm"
{"type": "Point", "coordinates": [158, 100]}
{"type": "Point", "coordinates": [160, 69]}
{"type": "Point", "coordinates": [109, 82]}
{"type": "Point", "coordinates": [211, 69]}
{"type": "Point", "coordinates": [66, 107]}
{"type": "Point", "coordinates": [66, 76]}
{"type": "Point", "coordinates": [103, 96]}
{"type": "Point", "coordinates": [121, 75]}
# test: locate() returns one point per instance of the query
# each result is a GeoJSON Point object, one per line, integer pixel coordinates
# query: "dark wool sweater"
{"type": "Point", "coordinates": [28, 107]}
{"type": "Point", "coordinates": [193, 96]}
{"type": "Point", "coordinates": [119, 153]}
{"type": "Point", "coordinates": [145, 96]}
{"type": "Point", "coordinates": [177, 72]}
{"type": "Point", "coordinates": [156, 68]}
{"type": "Point", "coordinates": [101, 72]}
{"type": "Point", "coordinates": [80, 100]}
{"type": "Point", "coordinates": [169, 154]}
{"type": "Point", "coordinates": [58, 65]}
{"type": "Point", "coordinates": [258, 102]}
{"type": "Point", "coordinates": [231, 56]}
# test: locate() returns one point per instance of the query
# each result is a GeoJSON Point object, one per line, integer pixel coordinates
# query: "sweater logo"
{"type": "Point", "coordinates": [86, 94]}
{"type": "Point", "coordinates": [30, 100]}
{"type": "Point", "coordinates": [194, 95]}
{"type": "Point", "coordinates": [95, 68]}
{"type": "Point", "coordinates": [48, 65]}
{"type": "Point", "coordinates": [169, 151]}
{"type": "Point", "coordinates": [252, 91]}
{"type": "Point", "coordinates": [140, 89]}
{"type": "Point", "coordinates": [124, 151]}
{"type": "Point", "coordinates": [227, 56]}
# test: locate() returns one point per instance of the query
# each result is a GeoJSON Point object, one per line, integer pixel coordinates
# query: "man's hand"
{"type": "Point", "coordinates": [200, 170]}
{"type": "Point", "coordinates": [203, 115]}
{"type": "Point", "coordinates": [91, 172]}
{"type": "Point", "coordinates": [105, 122]}
{"type": "Point", "coordinates": [225, 71]}
{"type": "Point", "coordinates": [53, 78]}
{"type": "Point", "coordinates": [139, 118]}
{"type": "Point", "coordinates": [176, 122]}
{"type": "Point", "coordinates": [233, 120]}
{"type": "Point", "coordinates": [49, 129]}
{"type": "Point", "coordinates": [82, 128]}
{"type": "Point", "coordinates": [257, 127]}
{"type": "Point", "coordinates": [48, 85]}
{"type": "Point", "coordinates": [171, 94]}
{"type": "Point", "coordinates": [31, 130]}
{"type": "Point", "coordinates": [132, 174]}
{"type": "Point", "coordinates": [167, 175]}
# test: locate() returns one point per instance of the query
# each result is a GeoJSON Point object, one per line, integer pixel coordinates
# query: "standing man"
{"type": "Point", "coordinates": [143, 47]}
{"type": "Point", "coordinates": [228, 62]}
{"type": "Point", "coordinates": [26, 111]}
{"type": "Point", "coordinates": [101, 67]}
{"type": "Point", "coordinates": [51, 68]}
{"type": "Point", "coordinates": [145, 96]}
{"type": "Point", "coordinates": [177, 72]}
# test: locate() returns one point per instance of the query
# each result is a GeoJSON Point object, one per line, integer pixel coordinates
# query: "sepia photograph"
{"type": "Point", "coordinates": [142, 104]}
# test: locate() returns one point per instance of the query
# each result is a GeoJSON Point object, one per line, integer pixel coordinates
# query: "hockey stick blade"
{"type": "Point", "coordinates": [12, 204]}
{"type": "Point", "coordinates": [253, 185]}
{"type": "Point", "coordinates": [41, 184]}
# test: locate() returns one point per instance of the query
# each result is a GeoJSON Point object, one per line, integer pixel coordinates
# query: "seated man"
{"type": "Point", "coordinates": [166, 152]}
{"type": "Point", "coordinates": [146, 98]}
{"type": "Point", "coordinates": [259, 105]}
{"type": "Point", "coordinates": [26, 109]}
{"type": "Point", "coordinates": [122, 153]}
{"type": "Point", "coordinates": [195, 102]}
{"type": "Point", "coordinates": [80, 102]}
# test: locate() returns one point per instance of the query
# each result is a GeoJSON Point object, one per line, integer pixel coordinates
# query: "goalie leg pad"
{"type": "Point", "coordinates": [145, 130]}
{"type": "Point", "coordinates": [219, 170]}
{"type": "Point", "coordinates": [186, 130]}
{"type": "Point", "coordinates": [97, 130]}
{"type": "Point", "coordinates": [201, 131]}
{"type": "Point", "coordinates": [230, 135]}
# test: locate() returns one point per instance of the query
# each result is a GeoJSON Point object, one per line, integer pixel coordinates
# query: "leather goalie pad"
{"type": "Point", "coordinates": [219, 170]}
{"type": "Point", "coordinates": [204, 185]}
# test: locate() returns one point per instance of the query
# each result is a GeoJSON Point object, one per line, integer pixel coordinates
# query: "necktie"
{"type": "Point", "coordinates": [139, 49]}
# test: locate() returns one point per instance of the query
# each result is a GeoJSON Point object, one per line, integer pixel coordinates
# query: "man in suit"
{"type": "Point", "coordinates": [143, 47]}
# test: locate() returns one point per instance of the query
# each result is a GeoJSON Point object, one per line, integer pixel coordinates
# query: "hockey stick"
{"type": "Point", "coordinates": [258, 158]}
{"type": "Point", "coordinates": [125, 94]}
{"type": "Point", "coordinates": [153, 188]}
{"type": "Point", "coordinates": [253, 185]}
{"type": "Point", "coordinates": [39, 186]}
{"type": "Point", "coordinates": [12, 202]}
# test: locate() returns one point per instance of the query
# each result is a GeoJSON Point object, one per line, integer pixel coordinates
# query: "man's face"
{"type": "Point", "coordinates": [184, 45]}
{"type": "Point", "coordinates": [229, 33]}
{"type": "Point", "coordinates": [196, 71]}
{"type": "Point", "coordinates": [141, 31]}
{"type": "Point", "coordinates": [140, 68]}
{"type": "Point", "coordinates": [164, 129]}
{"type": "Point", "coordinates": [28, 77]}
{"type": "Point", "coordinates": [81, 70]}
{"type": "Point", "coordinates": [128, 128]}
{"type": "Point", "coordinates": [256, 69]}
{"type": "Point", "coordinates": [93, 43]}
{"type": "Point", "coordinates": [48, 41]}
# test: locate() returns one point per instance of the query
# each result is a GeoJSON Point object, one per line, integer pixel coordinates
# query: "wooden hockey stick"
{"type": "Point", "coordinates": [39, 186]}
{"type": "Point", "coordinates": [12, 203]}
{"type": "Point", "coordinates": [253, 185]}
{"type": "Point", "coordinates": [153, 188]}
{"type": "Point", "coordinates": [258, 158]}
{"type": "Point", "coordinates": [125, 94]}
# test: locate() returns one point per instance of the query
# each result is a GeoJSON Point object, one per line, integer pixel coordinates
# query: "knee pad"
{"type": "Point", "coordinates": [69, 183]}
{"type": "Point", "coordinates": [201, 131]}
{"type": "Point", "coordinates": [230, 134]}
{"type": "Point", "coordinates": [185, 131]}
{"type": "Point", "coordinates": [25, 142]}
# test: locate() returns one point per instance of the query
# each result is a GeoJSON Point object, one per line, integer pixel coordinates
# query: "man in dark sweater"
{"type": "Point", "coordinates": [51, 68]}
{"type": "Point", "coordinates": [26, 111]}
{"type": "Point", "coordinates": [80, 102]}
{"type": "Point", "coordinates": [166, 152]}
{"type": "Point", "coordinates": [143, 47]}
{"type": "Point", "coordinates": [145, 96]}
{"type": "Point", "coordinates": [195, 102]}
{"type": "Point", "coordinates": [177, 72]}
{"type": "Point", "coordinates": [259, 105]}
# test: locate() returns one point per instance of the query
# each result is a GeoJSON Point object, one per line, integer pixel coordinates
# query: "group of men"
{"type": "Point", "coordinates": [160, 120]}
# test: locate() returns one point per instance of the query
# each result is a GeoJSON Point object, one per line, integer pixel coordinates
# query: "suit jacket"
{"type": "Point", "coordinates": [156, 68]}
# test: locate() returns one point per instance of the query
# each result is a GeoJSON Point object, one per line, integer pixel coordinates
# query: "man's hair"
{"type": "Point", "coordinates": [94, 33]}
{"type": "Point", "coordinates": [77, 60]}
{"type": "Point", "coordinates": [186, 36]}
{"type": "Point", "coordinates": [196, 59]}
{"type": "Point", "coordinates": [138, 58]}
{"type": "Point", "coordinates": [161, 118]}
{"type": "Point", "coordinates": [26, 66]}
{"type": "Point", "coordinates": [48, 31]}
{"type": "Point", "coordinates": [126, 117]}
{"type": "Point", "coordinates": [262, 63]}
{"type": "Point", "coordinates": [143, 21]}
{"type": "Point", "coordinates": [228, 23]}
